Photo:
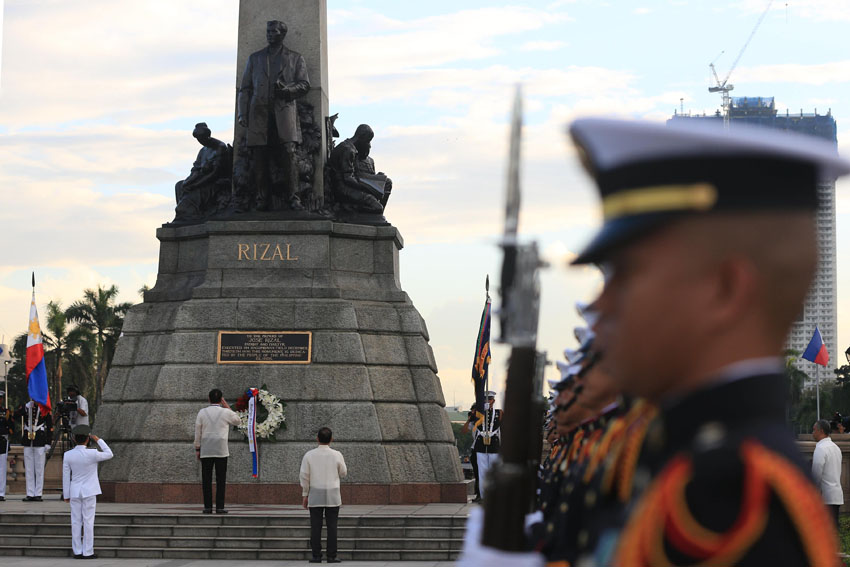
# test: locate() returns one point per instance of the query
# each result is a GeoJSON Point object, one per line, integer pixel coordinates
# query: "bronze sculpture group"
{"type": "Point", "coordinates": [272, 168]}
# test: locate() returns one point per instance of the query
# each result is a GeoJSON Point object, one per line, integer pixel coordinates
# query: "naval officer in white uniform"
{"type": "Point", "coordinates": [80, 487]}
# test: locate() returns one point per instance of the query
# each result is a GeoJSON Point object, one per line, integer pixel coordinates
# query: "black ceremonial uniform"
{"type": "Point", "coordinates": [487, 436]}
{"type": "Point", "coordinates": [41, 433]}
{"type": "Point", "coordinates": [565, 528]}
{"type": "Point", "coordinates": [7, 427]}
{"type": "Point", "coordinates": [729, 487]}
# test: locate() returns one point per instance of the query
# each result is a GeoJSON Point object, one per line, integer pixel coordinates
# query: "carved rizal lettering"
{"type": "Point", "coordinates": [264, 347]}
{"type": "Point", "coordinates": [265, 252]}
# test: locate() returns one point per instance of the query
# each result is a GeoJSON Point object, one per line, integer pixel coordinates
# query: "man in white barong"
{"type": "Point", "coordinates": [321, 469]}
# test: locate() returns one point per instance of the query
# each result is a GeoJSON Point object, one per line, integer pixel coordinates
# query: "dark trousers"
{"type": "Point", "coordinates": [220, 464]}
{"type": "Point", "coordinates": [473, 460]}
{"type": "Point", "coordinates": [331, 515]}
{"type": "Point", "coordinates": [833, 511]}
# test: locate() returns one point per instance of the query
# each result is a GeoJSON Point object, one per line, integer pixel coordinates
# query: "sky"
{"type": "Point", "coordinates": [98, 99]}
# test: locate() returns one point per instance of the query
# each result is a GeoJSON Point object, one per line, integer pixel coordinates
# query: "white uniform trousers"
{"type": "Point", "coordinates": [82, 525]}
{"type": "Point", "coordinates": [34, 466]}
{"type": "Point", "coordinates": [485, 461]}
{"type": "Point", "coordinates": [4, 459]}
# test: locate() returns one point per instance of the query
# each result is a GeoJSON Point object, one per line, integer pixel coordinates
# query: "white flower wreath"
{"type": "Point", "coordinates": [274, 420]}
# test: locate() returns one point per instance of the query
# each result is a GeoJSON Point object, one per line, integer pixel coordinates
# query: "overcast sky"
{"type": "Point", "coordinates": [98, 99]}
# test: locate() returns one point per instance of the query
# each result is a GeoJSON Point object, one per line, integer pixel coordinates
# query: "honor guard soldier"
{"type": "Point", "coordinates": [486, 436]}
{"type": "Point", "coordinates": [710, 245]}
{"type": "Point", "coordinates": [7, 427]}
{"type": "Point", "coordinates": [37, 434]}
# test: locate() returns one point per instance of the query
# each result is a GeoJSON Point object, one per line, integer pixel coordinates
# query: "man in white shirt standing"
{"type": "Point", "coordinates": [826, 468]}
{"type": "Point", "coordinates": [80, 487]}
{"type": "Point", "coordinates": [321, 469]}
{"type": "Point", "coordinates": [81, 415]}
{"type": "Point", "coordinates": [212, 428]}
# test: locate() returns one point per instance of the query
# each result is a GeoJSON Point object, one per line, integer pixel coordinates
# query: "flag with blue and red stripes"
{"type": "Point", "coordinates": [816, 351]}
{"type": "Point", "coordinates": [36, 370]}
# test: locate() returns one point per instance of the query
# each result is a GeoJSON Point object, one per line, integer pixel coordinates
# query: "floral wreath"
{"type": "Point", "coordinates": [271, 414]}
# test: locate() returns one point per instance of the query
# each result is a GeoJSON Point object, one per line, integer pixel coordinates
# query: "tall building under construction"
{"type": "Point", "coordinates": [821, 303]}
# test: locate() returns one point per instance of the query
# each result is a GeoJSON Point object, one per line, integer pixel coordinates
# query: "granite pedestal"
{"type": "Point", "coordinates": [372, 376]}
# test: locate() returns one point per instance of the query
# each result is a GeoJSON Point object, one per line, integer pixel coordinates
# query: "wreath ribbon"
{"type": "Point", "coordinates": [252, 430]}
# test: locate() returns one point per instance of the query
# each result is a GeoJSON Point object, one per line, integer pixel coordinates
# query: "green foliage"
{"type": "Point", "coordinates": [834, 395]}
{"type": "Point", "coordinates": [99, 315]}
{"type": "Point", "coordinates": [844, 533]}
{"type": "Point", "coordinates": [78, 346]}
{"type": "Point", "coordinates": [463, 441]}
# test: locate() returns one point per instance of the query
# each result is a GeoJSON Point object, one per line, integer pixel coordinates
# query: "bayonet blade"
{"type": "Point", "coordinates": [512, 197]}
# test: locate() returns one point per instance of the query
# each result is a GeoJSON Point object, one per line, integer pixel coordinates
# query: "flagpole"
{"type": "Point", "coordinates": [487, 293]}
{"type": "Point", "coordinates": [817, 386]}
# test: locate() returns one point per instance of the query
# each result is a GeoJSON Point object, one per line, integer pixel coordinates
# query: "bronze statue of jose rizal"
{"type": "Point", "coordinates": [274, 78]}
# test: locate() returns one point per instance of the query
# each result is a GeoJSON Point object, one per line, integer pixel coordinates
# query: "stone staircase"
{"type": "Point", "coordinates": [181, 536]}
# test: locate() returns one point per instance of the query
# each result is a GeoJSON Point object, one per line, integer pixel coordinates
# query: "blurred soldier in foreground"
{"type": "Point", "coordinates": [710, 244]}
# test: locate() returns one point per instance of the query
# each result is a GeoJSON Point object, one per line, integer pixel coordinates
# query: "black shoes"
{"type": "Point", "coordinates": [92, 556]}
{"type": "Point", "coordinates": [207, 510]}
{"type": "Point", "coordinates": [32, 499]}
{"type": "Point", "coordinates": [333, 560]}
{"type": "Point", "coordinates": [220, 511]}
{"type": "Point", "coordinates": [315, 560]}
{"type": "Point", "coordinates": [2, 498]}
{"type": "Point", "coordinates": [78, 556]}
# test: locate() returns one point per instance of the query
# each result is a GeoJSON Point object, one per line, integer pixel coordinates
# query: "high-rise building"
{"type": "Point", "coordinates": [821, 303]}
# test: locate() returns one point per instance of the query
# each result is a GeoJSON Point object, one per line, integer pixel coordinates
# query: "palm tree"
{"type": "Point", "coordinates": [98, 313]}
{"type": "Point", "coordinates": [66, 346]}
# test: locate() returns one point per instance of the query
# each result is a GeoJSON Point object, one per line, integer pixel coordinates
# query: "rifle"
{"type": "Point", "coordinates": [509, 492]}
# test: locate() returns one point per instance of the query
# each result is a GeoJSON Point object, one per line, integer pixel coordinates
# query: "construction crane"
{"type": "Point", "coordinates": [723, 87]}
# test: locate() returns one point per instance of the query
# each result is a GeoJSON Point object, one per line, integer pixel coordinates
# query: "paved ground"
{"type": "Point", "coordinates": [53, 504]}
{"type": "Point", "coordinates": [53, 562]}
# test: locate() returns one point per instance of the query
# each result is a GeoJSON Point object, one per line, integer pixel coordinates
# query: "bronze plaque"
{"type": "Point", "coordinates": [264, 347]}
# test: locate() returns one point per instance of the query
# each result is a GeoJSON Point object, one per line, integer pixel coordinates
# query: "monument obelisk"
{"type": "Point", "coordinates": [364, 367]}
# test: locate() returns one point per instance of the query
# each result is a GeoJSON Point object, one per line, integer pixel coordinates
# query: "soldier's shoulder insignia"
{"type": "Point", "coordinates": [667, 519]}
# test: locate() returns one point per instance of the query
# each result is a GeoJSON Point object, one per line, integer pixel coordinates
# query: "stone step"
{"type": "Point", "coordinates": [64, 529]}
{"type": "Point", "coordinates": [242, 537]}
{"type": "Point", "coordinates": [237, 520]}
{"type": "Point", "coordinates": [284, 543]}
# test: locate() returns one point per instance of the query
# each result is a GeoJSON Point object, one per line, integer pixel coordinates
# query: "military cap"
{"type": "Point", "coordinates": [489, 394]}
{"type": "Point", "coordinates": [584, 335]}
{"type": "Point", "coordinates": [81, 430]}
{"type": "Point", "coordinates": [587, 313]}
{"type": "Point", "coordinates": [568, 374]}
{"type": "Point", "coordinates": [649, 174]}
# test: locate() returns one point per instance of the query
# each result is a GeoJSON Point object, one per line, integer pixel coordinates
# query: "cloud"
{"type": "Point", "coordinates": [817, 10]}
{"type": "Point", "coordinates": [796, 73]}
{"type": "Point", "coordinates": [135, 61]}
{"type": "Point", "coordinates": [642, 11]}
{"type": "Point", "coordinates": [542, 45]}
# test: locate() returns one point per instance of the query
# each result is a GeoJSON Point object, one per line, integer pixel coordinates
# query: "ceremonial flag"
{"type": "Point", "coordinates": [252, 431]}
{"type": "Point", "coordinates": [481, 363]}
{"type": "Point", "coordinates": [816, 351]}
{"type": "Point", "coordinates": [36, 371]}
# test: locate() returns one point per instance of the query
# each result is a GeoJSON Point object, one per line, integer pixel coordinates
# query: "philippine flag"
{"type": "Point", "coordinates": [36, 371]}
{"type": "Point", "coordinates": [816, 351]}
